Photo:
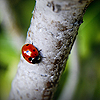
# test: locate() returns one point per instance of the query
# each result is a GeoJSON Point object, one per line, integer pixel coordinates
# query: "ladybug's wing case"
{"type": "Point", "coordinates": [26, 54]}
{"type": "Point", "coordinates": [34, 52]}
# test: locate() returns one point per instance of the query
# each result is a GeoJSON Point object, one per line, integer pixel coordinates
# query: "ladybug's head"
{"type": "Point", "coordinates": [37, 59]}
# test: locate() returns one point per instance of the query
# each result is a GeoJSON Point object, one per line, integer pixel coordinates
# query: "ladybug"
{"type": "Point", "coordinates": [31, 53]}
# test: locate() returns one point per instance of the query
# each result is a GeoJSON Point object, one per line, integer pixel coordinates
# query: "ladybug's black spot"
{"type": "Point", "coordinates": [33, 49]}
{"type": "Point", "coordinates": [27, 44]}
{"type": "Point", "coordinates": [23, 56]}
{"type": "Point", "coordinates": [30, 58]}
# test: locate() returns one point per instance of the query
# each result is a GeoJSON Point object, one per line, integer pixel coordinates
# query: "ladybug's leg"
{"type": "Point", "coordinates": [40, 53]}
{"type": "Point", "coordinates": [40, 50]}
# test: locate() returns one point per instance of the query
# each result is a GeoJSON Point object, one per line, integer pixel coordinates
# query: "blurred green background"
{"type": "Point", "coordinates": [12, 37]}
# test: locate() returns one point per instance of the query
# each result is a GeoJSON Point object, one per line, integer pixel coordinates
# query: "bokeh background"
{"type": "Point", "coordinates": [81, 78]}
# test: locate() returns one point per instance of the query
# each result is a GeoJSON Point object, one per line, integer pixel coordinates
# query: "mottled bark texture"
{"type": "Point", "coordinates": [53, 30]}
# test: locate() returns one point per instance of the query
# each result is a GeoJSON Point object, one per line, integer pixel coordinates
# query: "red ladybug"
{"type": "Point", "coordinates": [31, 53]}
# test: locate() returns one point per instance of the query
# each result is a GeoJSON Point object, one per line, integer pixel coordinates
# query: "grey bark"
{"type": "Point", "coordinates": [53, 30]}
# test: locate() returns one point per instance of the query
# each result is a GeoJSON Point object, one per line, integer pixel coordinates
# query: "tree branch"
{"type": "Point", "coordinates": [53, 29]}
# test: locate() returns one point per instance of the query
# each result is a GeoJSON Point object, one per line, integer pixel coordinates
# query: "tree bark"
{"type": "Point", "coordinates": [54, 27]}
